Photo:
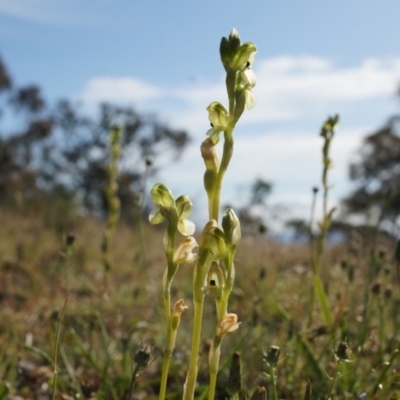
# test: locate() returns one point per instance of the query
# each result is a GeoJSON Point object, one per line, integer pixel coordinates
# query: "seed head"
{"type": "Point", "coordinates": [272, 356]}
{"type": "Point", "coordinates": [144, 356]}
{"type": "Point", "coordinates": [343, 352]}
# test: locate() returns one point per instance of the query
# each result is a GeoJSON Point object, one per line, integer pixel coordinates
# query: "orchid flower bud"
{"type": "Point", "coordinates": [234, 39]}
{"type": "Point", "coordinates": [213, 239]}
{"type": "Point", "coordinates": [209, 154]}
{"type": "Point", "coordinates": [178, 309]}
{"type": "Point", "coordinates": [210, 157]}
{"type": "Point", "coordinates": [231, 227]}
{"type": "Point", "coordinates": [226, 52]}
{"type": "Point", "coordinates": [228, 323]}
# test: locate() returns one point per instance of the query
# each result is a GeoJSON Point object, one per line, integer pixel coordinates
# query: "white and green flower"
{"type": "Point", "coordinates": [218, 117]}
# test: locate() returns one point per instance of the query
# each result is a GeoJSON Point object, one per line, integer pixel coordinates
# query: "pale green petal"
{"type": "Point", "coordinates": [214, 134]}
{"type": "Point", "coordinates": [244, 55]}
{"type": "Point", "coordinates": [155, 216]}
{"type": "Point", "coordinates": [250, 61]}
{"type": "Point", "coordinates": [184, 251]}
{"type": "Point", "coordinates": [162, 196]}
{"type": "Point", "coordinates": [186, 227]}
{"type": "Point", "coordinates": [217, 114]}
{"type": "Point", "coordinates": [183, 206]}
{"type": "Point", "coordinates": [249, 77]}
{"type": "Point", "coordinates": [250, 99]}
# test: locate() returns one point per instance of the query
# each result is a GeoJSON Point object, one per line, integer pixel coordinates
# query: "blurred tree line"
{"type": "Point", "coordinates": [56, 156]}
{"type": "Point", "coordinates": [375, 174]}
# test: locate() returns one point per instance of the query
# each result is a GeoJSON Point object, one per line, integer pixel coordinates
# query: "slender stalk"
{"type": "Point", "coordinates": [199, 276]}
{"type": "Point", "coordinates": [213, 364]}
{"type": "Point", "coordinates": [226, 157]}
{"type": "Point", "coordinates": [334, 379]}
{"type": "Point", "coordinates": [113, 202]}
{"type": "Point", "coordinates": [327, 133]}
{"type": "Point", "coordinates": [56, 349]}
{"type": "Point", "coordinates": [145, 258]}
{"type": "Point", "coordinates": [222, 303]}
{"type": "Point", "coordinates": [324, 228]}
{"type": "Point", "coordinates": [272, 372]}
{"type": "Point", "coordinates": [312, 256]}
{"type": "Point", "coordinates": [170, 336]}
{"type": "Point", "coordinates": [191, 377]}
{"type": "Point", "coordinates": [135, 374]}
{"type": "Point", "coordinates": [310, 228]}
{"type": "Point", "coordinates": [168, 349]}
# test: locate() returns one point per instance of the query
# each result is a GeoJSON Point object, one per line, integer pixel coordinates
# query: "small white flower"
{"type": "Point", "coordinates": [218, 117]}
{"type": "Point", "coordinates": [184, 251]}
{"type": "Point", "coordinates": [164, 200]}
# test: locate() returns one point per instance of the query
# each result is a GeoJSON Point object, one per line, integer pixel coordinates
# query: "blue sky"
{"type": "Point", "coordinates": [314, 58]}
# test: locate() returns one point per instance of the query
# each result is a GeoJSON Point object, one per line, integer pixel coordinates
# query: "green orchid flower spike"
{"type": "Point", "coordinates": [175, 212]}
{"type": "Point", "coordinates": [213, 261]}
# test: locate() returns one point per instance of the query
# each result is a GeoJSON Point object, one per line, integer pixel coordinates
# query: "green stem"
{"type": "Point", "coordinates": [56, 349]}
{"type": "Point", "coordinates": [191, 377]}
{"type": "Point", "coordinates": [170, 335]}
{"type": "Point", "coordinates": [168, 348]}
{"type": "Point", "coordinates": [213, 364]}
{"type": "Point", "coordinates": [312, 258]}
{"type": "Point", "coordinates": [139, 217]}
{"type": "Point", "coordinates": [226, 158]}
{"type": "Point", "coordinates": [335, 376]}
{"type": "Point", "coordinates": [273, 380]}
{"type": "Point", "coordinates": [228, 145]}
{"type": "Point", "coordinates": [325, 222]}
{"type": "Point", "coordinates": [135, 374]}
{"type": "Point", "coordinates": [222, 303]}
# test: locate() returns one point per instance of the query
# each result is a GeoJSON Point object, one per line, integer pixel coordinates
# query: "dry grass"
{"type": "Point", "coordinates": [105, 321]}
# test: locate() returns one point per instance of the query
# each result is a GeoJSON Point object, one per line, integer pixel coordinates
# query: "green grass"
{"type": "Point", "coordinates": [102, 327]}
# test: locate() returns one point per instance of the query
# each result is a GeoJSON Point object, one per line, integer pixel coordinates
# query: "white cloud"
{"type": "Point", "coordinates": [291, 92]}
{"type": "Point", "coordinates": [119, 90]}
{"type": "Point", "coordinates": [287, 88]}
